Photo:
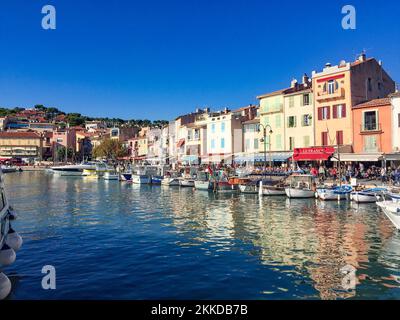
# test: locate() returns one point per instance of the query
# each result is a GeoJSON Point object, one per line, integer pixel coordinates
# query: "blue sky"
{"type": "Point", "coordinates": [158, 59]}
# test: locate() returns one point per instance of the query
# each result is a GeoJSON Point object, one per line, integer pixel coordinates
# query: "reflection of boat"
{"type": "Point", "coordinates": [72, 170]}
{"type": "Point", "coordinates": [10, 241]}
{"type": "Point", "coordinates": [367, 195]}
{"type": "Point", "coordinates": [335, 193]}
{"type": "Point", "coordinates": [391, 210]}
{"type": "Point", "coordinates": [300, 186]}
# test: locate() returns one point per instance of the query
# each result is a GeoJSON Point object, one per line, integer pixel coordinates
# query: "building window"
{"type": "Point", "coordinates": [212, 144]}
{"type": "Point", "coordinates": [369, 84]}
{"type": "Point", "coordinates": [247, 145]}
{"type": "Point", "coordinates": [213, 128]}
{"type": "Point", "coordinates": [291, 122]}
{"type": "Point", "coordinates": [339, 111]}
{"type": "Point", "coordinates": [332, 86]}
{"type": "Point", "coordinates": [370, 120]}
{"type": "Point", "coordinates": [222, 143]}
{"type": "Point", "coordinates": [306, 141]}
{"type": "Point", "coordinates": [278, 121]}
{"type": "Point", "coordinates": [256, 144]}
{"type": "Point", "coordinates": [324, 138]}
{"type": "Point", "coordinates": [222, 127]}
{"type": "Point", "coordinates": [278, 140]}
{"type": "Point", "coordinates": [323, 113]}
{"type": "Point", "coordinates": [291, 143]}
{"type": "Point", "coordinates": [370, 144]}
{"type": "Point", "coordinates": [398, 119]}
{"type": "Point", "coordinates": [306, 120]}
{"type": "Point", "coordinates": [291, 102]}
{"type": "Point", "coordinates": [339, 137]}
{"type": "Point", "coordinates": [306, 99]}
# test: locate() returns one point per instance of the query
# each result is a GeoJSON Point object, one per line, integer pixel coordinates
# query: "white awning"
{"type": "Point", "coordinates": [357, 157]}
{"type": "Point", "coordinates": [391, 157]}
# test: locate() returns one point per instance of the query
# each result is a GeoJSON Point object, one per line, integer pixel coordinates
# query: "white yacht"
{"type": "Point", "coordinates": [300, 186]}
{"type": "Point", "coordinates": [73, 169]}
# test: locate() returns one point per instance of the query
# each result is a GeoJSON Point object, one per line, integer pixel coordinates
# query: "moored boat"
{"type": "Point", "coordinates": [335, 193]}
{"type": "Point", "coordinates": [392, 211]}
{"type": "Point", "coordinates": [156, 180]}
{"type": "Point", "coordinates": [300, 186]}
{"type": "Point", "coordinates": [72, 170]}
{"type": "Point", "coordinates": [111, 176]}
{"type": "Point", "coordinates": [170, 182]}
{"type": "Point", "coordinates": [367, 195]}
{"type": "Point", "coordinates": [140, 179]}
{"type": "Point", "coordinates": [187, 183]}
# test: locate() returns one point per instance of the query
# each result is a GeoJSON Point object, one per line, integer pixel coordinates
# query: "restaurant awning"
{"type": "Point", "coordinates": [358, 157]}
{"type": "Point", "coordinates": [216, 158]}
{"type": "Point", "coordinates": [261, 157]}
{"type": "Point", "coordinates": [180, 143]}
{"type": "Point", "coordinates": [313, 154]}
{"type": "Point", "coordinates": [190, 158]}
{"type": "Point", "coordinates": [391, 157]}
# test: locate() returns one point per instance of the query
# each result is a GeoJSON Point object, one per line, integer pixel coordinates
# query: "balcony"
{"type": "Point", "coordinates": [270, 109]}
{"type": "Point", "coordinates": [371, 128]}
{"type": "Point", "coordinates": [326, 96]}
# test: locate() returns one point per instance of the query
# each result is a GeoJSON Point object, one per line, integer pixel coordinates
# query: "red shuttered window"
{"type": "Point", "coordinates": [339, 137]}
{"type": "Point", "coordinates": [324, 138]}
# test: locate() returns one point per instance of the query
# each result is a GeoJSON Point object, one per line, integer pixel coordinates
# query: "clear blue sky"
{"type": "Point", "coordinates": [158, 59]}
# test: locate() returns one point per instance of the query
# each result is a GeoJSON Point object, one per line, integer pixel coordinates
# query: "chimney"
{"type": "Point", "coordinates": [305, 79]}
{"type": "Point", "coordinates": [293, 84]}
{"type": "Point", "coordinates": [328, 65]}
{"type": "Point", "coordinates": [362, 57]}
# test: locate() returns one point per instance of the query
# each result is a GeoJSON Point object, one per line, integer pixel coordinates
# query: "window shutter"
{"type": "Point", "coordinates": [335, 114]}
{"type": "Point", "coordinates": [343, 111]}
{"type": "Point", "coordinates": [328, 113]}
{"type": "Point", "coordinates": [320, 114]}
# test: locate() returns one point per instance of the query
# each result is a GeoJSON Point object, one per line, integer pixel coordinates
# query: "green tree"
{"type": "Point", "coordinates": [110, 149]}
{"type": "Point", "coordinates": [75, 119]}
{"type": "Point", "coordinates": [61, 153]}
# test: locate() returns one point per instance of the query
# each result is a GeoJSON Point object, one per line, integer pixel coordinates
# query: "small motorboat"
{"type": "Point", "coordinates": [271, 190]}
{"type": "Point", "coordinates": [156, 180]}
{"type": "Point", "coordinates": [141, 179]}
{"type": "Point", "coordinates": [126, 176]}
{"type": "Point", "coordinates": [170, 182]}
{"type": "Point", "coordinates": [391, 210]}
{"type": "Point", "coordinates": [250, 187]}
{"type": "Point", "coordinates": [300, 186]}
{"type": "Point", "coordinates": [90, 174]}
{"type": "Point", "coordinates": [367, 195]}
{"type": "Point", "coordinates": [334, 193]}
{"type": "Point", "coordinates": [187, 183]}
{"type": "Point", "coordinates": [111, 176]}
{"type": "Point", "coordinates": [202, 185]}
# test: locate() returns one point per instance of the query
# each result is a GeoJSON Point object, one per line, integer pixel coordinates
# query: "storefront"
{"type": "Point", "coordinates": [261, 158]}
{"type": "Point", "coordinates": [313, 154]}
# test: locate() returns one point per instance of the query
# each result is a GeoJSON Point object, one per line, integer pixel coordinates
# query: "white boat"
{"type": "Point", "coordinates": [170, 181]}
{"type": "Point", "coordinates": [392, 211]}
{"type": "Point", "coordinates": [271, 190]}
{"type": "Point", "coordinates": [248, 188]}
{"type": "Point", "coordinates": [73, 169]}
{"type": "Point", "coordinates": [367, 195]}
{"type": "Point", "coordinates": [10, 241]}
{"type": "Point", "coordinates": [111, 176]}
{"type": "Point", "coordinates": [8, 169]}
{"type": "Point", "coordinates": [141, 179]}
{"type": "Point", "coordinates": [202, 185]}
{"type": "Point", "coordinates": [300, 186]}
{"type": "Point", "coordinates": [187, 183]}
{"type": "Point", "coordinates": [335, 193]}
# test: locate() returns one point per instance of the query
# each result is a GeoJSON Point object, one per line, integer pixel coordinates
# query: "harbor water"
{"type": "Point", "coordinates": [112, 240]}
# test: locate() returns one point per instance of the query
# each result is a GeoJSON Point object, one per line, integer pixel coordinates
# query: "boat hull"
{"type": "Point", "coordinates": [108, 176]}
{"type": "Point", "coordinates": [392, 211]}
{"type": "Point", "coordinates": [170, 182]}
{"type": "Point", "coordinates": [187, 183]}
{"type": "Point", "coordinates": [126, 176]}
{"type": "Point", "coordinates": [273, 191]}
{"type": "Point", "coordinates": [248, 189]}
{"type": "Point", "coordinates": [202, 185]}
{"type": "Point", "coordinates": [361, 197]}
{"type": "Point", "coordinates": [299, 193]}
{"type": "Point", "coordinates": [141, 179]}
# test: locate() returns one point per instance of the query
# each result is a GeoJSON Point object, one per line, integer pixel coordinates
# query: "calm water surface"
{"type": "Point", "coordinates": [111, 240]}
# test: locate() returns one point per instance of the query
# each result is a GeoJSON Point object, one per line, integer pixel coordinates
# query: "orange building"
{"type": "Point", "coordinates": [372, 126]}
{"type": "Point", "coordinates": [337, 89]}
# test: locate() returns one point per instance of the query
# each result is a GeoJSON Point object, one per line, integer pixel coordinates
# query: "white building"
{"type": "Point", "coordinates": [395, 99]}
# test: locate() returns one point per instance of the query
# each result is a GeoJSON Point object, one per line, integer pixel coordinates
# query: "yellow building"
{"type": "Point", "coordinates": [299, 115]}
{"type": "Point", "coordinates": [21, 144]}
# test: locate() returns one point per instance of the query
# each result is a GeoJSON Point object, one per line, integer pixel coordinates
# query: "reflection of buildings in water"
{"type": "Point", "coordinates": [389, 256]}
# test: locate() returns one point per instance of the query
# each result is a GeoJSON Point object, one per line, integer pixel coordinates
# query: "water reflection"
{"type": "Point", "coordinates": [306, 242]}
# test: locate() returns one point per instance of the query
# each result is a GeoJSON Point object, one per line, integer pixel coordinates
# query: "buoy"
{"type": "Point", "coordinates": [13, 239]}
{"type": "Point", "coordinates": [5, 286]}
{"type": "Point", "coordinates": [7, 255]}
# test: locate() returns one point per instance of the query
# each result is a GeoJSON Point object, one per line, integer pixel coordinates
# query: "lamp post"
{"type": "Point", "coordinates": [264, 140]}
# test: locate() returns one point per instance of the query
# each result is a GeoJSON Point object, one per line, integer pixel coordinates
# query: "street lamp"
{"type": "Point", "coordinates": [264, 140]}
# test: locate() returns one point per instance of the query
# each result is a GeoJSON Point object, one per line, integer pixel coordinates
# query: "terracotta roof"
{"type": "Point", "coordinates": [373, 103]}
{"type": "Point", "coordinates": [18, 135]}
{"type": "Point", "coordinates": [275, 93]}
{"type": "Point", "coordinates": [252, 121]}
{"type": "Point", "coordinates": [396, 94]}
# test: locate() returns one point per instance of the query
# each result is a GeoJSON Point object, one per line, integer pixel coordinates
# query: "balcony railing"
{"type": "Point", "coordinates": [370, 127]}
{"type": "Point", "coordinates": [326, 95]}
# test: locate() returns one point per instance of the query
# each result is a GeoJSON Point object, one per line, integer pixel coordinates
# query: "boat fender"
{"type": "Point", "coordinates": [5, 286]}
{"type": "Point", "coordinates": [13, 239]}
{"type": "Point", "coordinates": [7, 255]}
